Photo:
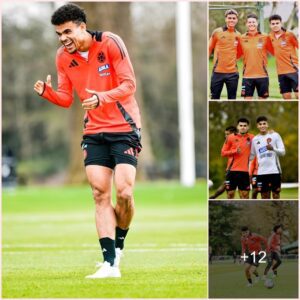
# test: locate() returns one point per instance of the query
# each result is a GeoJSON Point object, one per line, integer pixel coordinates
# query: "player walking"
{"type": "Point", "coordinates": [97, 65]}
{"type": "Point", "coordinates": [267, 147]}
{"type": "Point", "coordinates": [224, 42]}
{"type": "Point", "coordinates": [274, 243]}
{"type": "Point", "coordinates": [285, 44]}
{"type": "Point", "coordinates": [251, 248]}
{"type": "Point", "coordinates": [237, 148]}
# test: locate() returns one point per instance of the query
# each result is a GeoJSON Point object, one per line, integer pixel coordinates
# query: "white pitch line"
{"type": "Point", "coordinates": [141, 250]}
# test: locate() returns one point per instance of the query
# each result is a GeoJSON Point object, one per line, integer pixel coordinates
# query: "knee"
{"type": "Point", "coordinates": [100, 195]}
{"type": "Point", "coordinates": [124, 196]}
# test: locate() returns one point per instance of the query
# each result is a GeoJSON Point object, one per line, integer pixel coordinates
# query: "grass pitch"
{"type": "Point", "coordinates": [49, 244]}
{"type": "Point", "coordinates": [227, 280]}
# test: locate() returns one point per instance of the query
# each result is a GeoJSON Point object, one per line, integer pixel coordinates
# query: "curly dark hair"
{"type": "Point", "coordinates": [68, 12]}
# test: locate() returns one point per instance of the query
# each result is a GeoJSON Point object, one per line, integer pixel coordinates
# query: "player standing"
{"type": "Point", "coordinates": [224, 42]}
{"type": "Point", "coordinates": [274, 243]}
{"type": "Point", "coordinates": [97, 65]}
{"type": "Point", "coordinates": [285, 44]}
{"type": "Point", "coordinates": [237, 148]}
{"type": "Point", "coordinates": [251, 247]}
{"type": "Point", "coordinates": [267, 147]}
{"type": "Point", "coordinates": [253, 46]}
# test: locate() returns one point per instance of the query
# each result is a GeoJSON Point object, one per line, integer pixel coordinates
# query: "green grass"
{"type": "Point", "coordinates": [273, 80]}
{"type": "Point", "coordinates": [50, 244]}
{"type": "Point", "coordinates": [227, 280]}
{"type": "Point", "coordinates": [286, 194]}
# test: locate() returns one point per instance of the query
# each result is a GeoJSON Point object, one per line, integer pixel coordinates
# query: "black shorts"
{"type": "Point", "coordinates": [269, 182]}
{"type": "Point", "coordinates": [261, 85]}
{"type": "Point", "coordinates": [238, 179]}
{"type": "Point", "coordinates": [274, 256]}
{"type": "Point", "coordinates": [219, 79]}
{"type": "Point", "coordinates": [288, 82]}
{"type": "Point", "coordinates": [110, 149]}
{"type": "Point", "coordinates": [253, 260]}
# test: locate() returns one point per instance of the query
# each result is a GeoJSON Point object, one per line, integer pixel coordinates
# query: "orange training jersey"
{"type": "Point", "coordinates": [285, 52]}
{"type": "Point", "coordinates": [253, 168]}
{"type": "Point", "coordinates": [224, 43]}
{"type": "Point", "coordinates": [237, 161]}
{"type": "Point", "coordinates": [254, 50]}
{"type": "Point", "coordinates": [109, 72]}
{"type": "Point", "coordinates": [252, 243]}
{"type": "Point", "coordinates": [274, 242]}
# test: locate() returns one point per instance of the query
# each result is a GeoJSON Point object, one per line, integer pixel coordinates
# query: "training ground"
{"type": "Point", "coordinates": [228, 280]}
{"type": "Point", "coordinates": [49, 244]}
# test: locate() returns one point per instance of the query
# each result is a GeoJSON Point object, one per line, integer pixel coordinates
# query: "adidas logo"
{"type": "Point", "coordinates": [130, 151]}
{"type": "Point", "coordinates": [121, 238]}
{"type": "Point", "coordinates": [104, 250]}
{"type": "Point", "coordinates": [73, 63]}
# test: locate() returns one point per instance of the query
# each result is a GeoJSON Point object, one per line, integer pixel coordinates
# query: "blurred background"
{"type": "Point", "coordinates": [283, 118]}
{"type": "Point", "coordinates": [288, 10]}
{"type": "Point", "coordinates": [41, 142]}
{"type": "Point", "coordinates": [226, 270]}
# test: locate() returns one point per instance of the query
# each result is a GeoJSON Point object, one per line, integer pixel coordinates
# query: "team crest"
{"type": "Point", "coordinates": [269, 140]}
{"type": "Point", "coordinates": [101, 57]}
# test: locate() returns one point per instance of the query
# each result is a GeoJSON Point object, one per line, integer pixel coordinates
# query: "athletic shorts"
{"type": "Point", "coordinates": [236, 179]}
{"type": "Point", "coordinates": [219, 79]}
{"type": "Point", "coordinates": [260, 84]}
{"type": "Point", "coordinates": [110, 149]}
{"type": "Point", "coordinates": [269, 182]}
{"type": "Point", "coordinates": [254, 182]}
{"type": "Point", "coordinates": [288, 82]}
{"type": "Point", "coordinates": [251, 261]}
{"type": "Point", "coordinates": [274, 256]}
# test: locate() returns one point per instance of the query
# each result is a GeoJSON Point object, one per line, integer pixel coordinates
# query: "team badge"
{"type": "Point", "coordinates": [269, 140]}
{"type": "Point", "coordinates": [101, 57]}
{"type": "Point", "coordinates": [283, 43]}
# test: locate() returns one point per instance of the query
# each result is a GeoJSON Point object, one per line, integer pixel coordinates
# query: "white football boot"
{"type": "Point", "coordinates": [105, 271]}
{"type": "Point", "coordinates": [119, 254]}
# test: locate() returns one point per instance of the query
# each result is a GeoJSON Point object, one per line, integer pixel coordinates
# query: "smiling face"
{"type": "Point", "coordinates": [71, 35]}
{"type": "Point", "coordinates": [252, 24]}
{"type": "Point", "coordinates": [275, 26]}
{"type": "Point", "coordinates": [231, 20]}
{"type": "Point", "coordinates": [263, 127]}
{"type": "Point", "coordinates": [242, 127]}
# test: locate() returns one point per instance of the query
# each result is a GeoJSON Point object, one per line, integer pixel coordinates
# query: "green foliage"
{"type": "Point", "coordinates": [227, 217]}
{"type": "Point", "coordinates": [226, 113]}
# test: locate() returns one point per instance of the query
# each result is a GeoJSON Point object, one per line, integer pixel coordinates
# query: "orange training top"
{"type": "Point", "coordinates": [254, 50]}
{"type": "Point", "coordinates": [253, 242]}
{"type": "Point", "coordinates": [253, 168]}
{"type": "Point", "coordinates": [274, 242]}
{"type": "Point", "coordinates": [285, 52]}
{"type": "Point", "coordinates": [224, 43]}
{"type": "Point", "coordinates": [109, 72]}
{"type": "Point", "coordinates": [237, 161]}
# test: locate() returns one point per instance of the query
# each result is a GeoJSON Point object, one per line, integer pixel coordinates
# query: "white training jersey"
{"type": "Point", "coordinates": [268, 160]}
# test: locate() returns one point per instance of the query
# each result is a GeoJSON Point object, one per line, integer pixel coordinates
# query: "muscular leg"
{"type": "Point", "coordinates": [100, 179]}
{"type": "Point", "coordinates": [254, 193]}
{"type": "Point", "coordinates": [266, 195]}
{"type": "Point", "coordinates": [276, 195]}
{"type": "Point", "coordinates": [124, 181]}
{"type": "Point", "coordinates": [287, 95]}
{"type": "Point", "coordinates": [221, 189]}
{"type": "Point", "coordinates": [248, 273]}
{"type": "Point", "coordinates": [230, 194]}
{"type": "Point", "coordinates": [244, 194]}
